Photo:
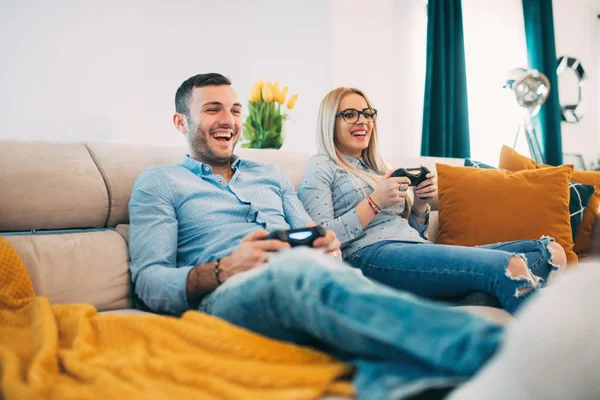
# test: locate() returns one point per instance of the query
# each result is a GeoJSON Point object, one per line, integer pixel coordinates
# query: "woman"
{"type": "Point", "coordinates": [348, 188]}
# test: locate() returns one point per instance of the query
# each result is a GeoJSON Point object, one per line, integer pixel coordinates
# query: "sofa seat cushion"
{"type": "Point", "coordinates": [87, 267]}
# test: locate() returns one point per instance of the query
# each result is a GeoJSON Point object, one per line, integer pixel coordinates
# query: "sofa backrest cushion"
{"type": "Point", "coordinates": [53, 185]}
{"type": "Point", "coordinates": [123, 229]}
{"type": "Point", "coordinates": [88, 267]}
{"type": "Point", "coordinates": [50, 186]}
{"type": "Point", "coordinates": [121, 164]}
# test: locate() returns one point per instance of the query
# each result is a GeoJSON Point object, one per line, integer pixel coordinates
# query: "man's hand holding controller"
{"type": "Point", "coordinates": [256, 248]}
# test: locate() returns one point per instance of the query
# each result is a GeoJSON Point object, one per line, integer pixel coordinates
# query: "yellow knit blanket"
{"type": "Point", "coordinates": [70, 352]}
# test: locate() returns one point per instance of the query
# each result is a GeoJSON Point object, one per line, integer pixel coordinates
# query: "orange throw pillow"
{"type": "Point", "coordinates": [482, 206]}
{"type": "Point", "coordinates": [513, 161]}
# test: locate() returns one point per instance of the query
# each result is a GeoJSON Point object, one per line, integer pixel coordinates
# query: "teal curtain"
{"type": "Point", "coordinates": [541, 50]}
{"type": "Point", "coordinates": [445, 110]}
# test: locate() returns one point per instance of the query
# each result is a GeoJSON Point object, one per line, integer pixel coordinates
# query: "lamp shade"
{"type": "Point", "coordinates": [531, 87]}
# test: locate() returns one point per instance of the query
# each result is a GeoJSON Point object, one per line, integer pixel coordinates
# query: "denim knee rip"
{"type": "Point", "coordinates": [528, 284]}
{"type": "Point", "coordinates": [556, 270]}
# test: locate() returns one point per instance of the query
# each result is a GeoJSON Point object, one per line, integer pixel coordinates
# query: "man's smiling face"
{"type": "Point", "coordinates": [214, 124]}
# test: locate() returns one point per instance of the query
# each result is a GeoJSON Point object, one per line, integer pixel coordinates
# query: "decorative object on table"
{"type": "Point", "coordinates": [531, 89]}
{"type": "Point", "coordinates": [264, 125]}
{"type": "Point", "coordinates": [572, 113]}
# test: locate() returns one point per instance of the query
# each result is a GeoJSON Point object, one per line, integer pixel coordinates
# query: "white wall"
{"type": "Point", "coordinates": [408, 76]}
{"type": "Point", "coordinates": [494, 44]}
{"type": "Point", "coordinates": [362, 56]}
{"type": "Point", "coordinates": [108, 70]}
{"type": "Point", "coordinates": [380, 49]}
{"type": "Point", "coordinates": [577, 28]}
{"type": "Point", "coordinates": [597, 88]}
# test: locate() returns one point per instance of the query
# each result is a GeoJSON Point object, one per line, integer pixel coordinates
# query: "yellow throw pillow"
{"type": "Point", "coordinates": [482, 206]}
{"type": "Point", "coordinates": [513, 161]}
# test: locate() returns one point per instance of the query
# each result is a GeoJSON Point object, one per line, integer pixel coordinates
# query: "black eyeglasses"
{"type": "Point", "coordinates": [351, 115]}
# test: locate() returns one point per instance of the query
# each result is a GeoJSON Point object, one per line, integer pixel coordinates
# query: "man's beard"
{"type": "Point", "coordinates": [198, 143]}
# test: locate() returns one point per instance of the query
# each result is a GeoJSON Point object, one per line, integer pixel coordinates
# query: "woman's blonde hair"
{"type": "Point", "coordinates": [327, 146]}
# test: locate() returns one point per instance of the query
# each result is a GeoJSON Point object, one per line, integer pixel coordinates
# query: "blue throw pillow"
{"type": "Point", "coordinates": [580, 196]}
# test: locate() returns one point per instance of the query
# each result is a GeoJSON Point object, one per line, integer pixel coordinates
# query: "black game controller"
{"type": "Point", "coordinates": [415, 178]}
{"type": "Point", "coordinates": [299, 237]}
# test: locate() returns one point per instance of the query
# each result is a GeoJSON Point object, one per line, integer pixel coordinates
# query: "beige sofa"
{"type": "Point", "coordinates": [82, 189]}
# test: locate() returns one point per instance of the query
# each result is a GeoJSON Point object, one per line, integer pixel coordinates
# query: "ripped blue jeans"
{"type": "Point", "coordinates": [444, 272]}
{"type": "Point", "coordinates": [398, 343]}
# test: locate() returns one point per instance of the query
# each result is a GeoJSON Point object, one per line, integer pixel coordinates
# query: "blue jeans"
{"type": "Point", "coordinates": [444, 272]}
{"type": "Point", "coordinates": [399, 343]}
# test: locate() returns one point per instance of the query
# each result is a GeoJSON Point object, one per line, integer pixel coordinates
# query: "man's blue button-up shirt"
{"type": "Point", "coordinates": [184, 215]}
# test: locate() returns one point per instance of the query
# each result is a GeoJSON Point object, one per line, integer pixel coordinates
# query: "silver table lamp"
{"type": "Point", "coordinates": [531, 89]}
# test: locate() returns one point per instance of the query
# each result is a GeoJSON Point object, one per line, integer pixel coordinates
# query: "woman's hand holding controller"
{"type": "Point", "coordinates": [390, 191]}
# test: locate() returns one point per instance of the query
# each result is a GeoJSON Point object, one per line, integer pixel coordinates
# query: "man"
{"type": "Point", "coordinates": [197, 240]}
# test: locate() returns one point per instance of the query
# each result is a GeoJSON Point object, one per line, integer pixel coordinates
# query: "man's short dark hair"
{"type": "Point", "coordinates": [184, 93]}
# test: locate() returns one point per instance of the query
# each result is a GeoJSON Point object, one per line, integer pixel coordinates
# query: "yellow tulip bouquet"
{"type": "Point", "coordinates": [263, 127]}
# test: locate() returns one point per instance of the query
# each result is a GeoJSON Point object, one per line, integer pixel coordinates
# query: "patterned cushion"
{"type": "Point", "coordinates": [580, 196]}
